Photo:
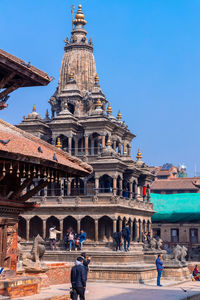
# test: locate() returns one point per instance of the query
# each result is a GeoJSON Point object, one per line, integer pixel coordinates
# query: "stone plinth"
{"type": "Point", "coordinates": [122, 273]}
{"type": "Point", "coordinates": [176, 270]}
{"type": "Point", "coordinates": [20, 287]}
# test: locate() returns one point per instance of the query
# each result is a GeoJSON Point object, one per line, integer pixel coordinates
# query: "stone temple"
{"type": "Point", "coordinates": [81, 123]}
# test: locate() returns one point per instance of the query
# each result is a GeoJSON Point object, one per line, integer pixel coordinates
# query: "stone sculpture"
{"type": "Point", "coordinates": [154, 244]}
{"type": "Point", "coordinates": [177, 256]}
{"type": "Point", "coordinates": [32, 260]}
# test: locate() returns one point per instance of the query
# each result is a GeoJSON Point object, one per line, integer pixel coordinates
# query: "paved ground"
{"type": "Point", "coordinates": [128, 291]}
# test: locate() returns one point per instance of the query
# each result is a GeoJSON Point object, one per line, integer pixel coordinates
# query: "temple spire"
{"type": "Point", "coordinates": [139, 155]}
{"type": "Point", "coordinates": [79, 18]}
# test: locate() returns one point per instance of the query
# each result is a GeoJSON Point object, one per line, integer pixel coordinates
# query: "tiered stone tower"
{"type": "Point", "coordinates": [118, 191]}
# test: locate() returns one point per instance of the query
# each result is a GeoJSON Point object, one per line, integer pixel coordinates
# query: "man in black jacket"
{"type": "Point", "coordinates": [78, 279]}
{"type": "Point", "coordinates": [86, 261]}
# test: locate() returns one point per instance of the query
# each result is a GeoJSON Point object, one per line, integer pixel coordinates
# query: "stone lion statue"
{"type": "Point", "coordinates": [33, 259]}
{"type": "Point", "coordinates": [178, 254]}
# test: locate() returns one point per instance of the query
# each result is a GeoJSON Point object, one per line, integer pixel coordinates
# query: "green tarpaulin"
{"type": "Point", "coordinates": [176, 207]}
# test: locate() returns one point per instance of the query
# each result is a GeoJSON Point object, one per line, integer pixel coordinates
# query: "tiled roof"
{"type": "Point", "coordinates": [23, 65]}
{"type": "Point", "coordinates": [175, 184]}
{"type": "Point", "coordinates": [27, 145]}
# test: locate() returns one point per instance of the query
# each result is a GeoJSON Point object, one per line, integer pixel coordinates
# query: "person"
{"type": "Point", "coordinates": [126, 236]}
{"type": "Point", "coordinates": [52, 236]}
{"type": "Point", "coordinates": [86, 261]}
{"type": "Point", "coordinates": [82, 238]}
{"type": "Point", "coordinates": [117, 236]}
{"type": "Point", "coordinates": [144, 238]}
{"type": "Point", "coordinates": [78, 279]}
{"type": "Point", "coordinates": [71, 239]}
{"type": "Point", "coordinates": [195, 274]}
{"type": "Point", "coordinates": [159, 266]}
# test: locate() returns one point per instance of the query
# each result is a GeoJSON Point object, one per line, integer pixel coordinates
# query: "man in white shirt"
{"type": "Point", "coordinates": [52, 236]}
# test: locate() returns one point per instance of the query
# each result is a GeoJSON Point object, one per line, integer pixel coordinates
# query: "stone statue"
{"type": "Point", "coordinates": [177, 256]}
{"type": "Point", "coordinates": [154, 244]}
{"type": "Point", "coordinates": [159, 243]}
{"type": "Point", "coordinates": [32, 260]}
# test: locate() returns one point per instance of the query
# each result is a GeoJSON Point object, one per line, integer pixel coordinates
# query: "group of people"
{"type": "Point", "coordinates": [79, 277]}
{"type": "Point", "coordinates": [126, 235]}
{"type": "Point", "coordinates": [72, 240]}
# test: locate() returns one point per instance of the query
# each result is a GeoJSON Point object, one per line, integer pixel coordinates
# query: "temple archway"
{"type": "Point", "coordinates": [105, 228]}
{"type": "Point", "coordinates": [105, 184]}
{"type": "Point", "coordinates": [36, 227]}
{"type": "Point", "coordinates": [22, 227]}
{"type": "Point", "coordinates": [87, 224]}
{"type": "Point", "coordinates": [69, 222]}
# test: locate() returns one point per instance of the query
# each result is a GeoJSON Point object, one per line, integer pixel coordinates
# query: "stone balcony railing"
{"type": "Point", "coordinates": [107, 199]}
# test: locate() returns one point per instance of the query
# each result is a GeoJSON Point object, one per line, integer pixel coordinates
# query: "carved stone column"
{"type": "Point", "coordinates": [130, 189]}
{"type": "Point", "coordinates": [86, 145]}
{"type": "Point", "coordinates": [70, 145]}
{"type": "Point", "coordinates": [114, 145]}
{"type": "Point", "coordinates": [27, 229]}
{"type": "Point", "coordinates": [131, 230]}
{"type": "Point", "coordinates": [69, 187]}
{"type": "Point", "coordinates": [114, 226]}
{"type": "Point", "coordinates": [78, 226]}
{"type": "Point", "coordinates": [61, 229]}
{"type": "Point", "coordinates": [76, 146]}
{"type": "Point", "coordinates": [137, 234]}
{"type": "Point", "coordinates": [96, 231]}
{"type": "Point", "coordinates": [120, 148]}
{"type": "Point", "coordinates": [135, 190]}
{"type": "Point", "coordinates": [96, 184]}
{"type": "Point", "coordinates": [44, 229]}
{"type": "Point", "coordinates": [140, 232]}
{"type": "Point", "coordinates": [114, 186]}
{"type": "Point", "coordinates": [45, 191]}
{"type": "Point", "coordinates": [120, 224]}
{"type": "Point", "coordinates": [85, 186]}
{"type": "Point", "coordinates": [124, 149]}
{"type": "Point", "coordinates": [120, 187]}
{"type": "Point", "coordinates": [129, 150]}
{"type": "Point", "coordinates": [103, 141]}
{"type": "Point", "coordinates": [62, 187]}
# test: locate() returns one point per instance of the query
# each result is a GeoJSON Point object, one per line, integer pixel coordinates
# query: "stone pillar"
{"type": "Point", "coordinates": [62, 187]}
{"type": "Point", "coordinates": [114, 145]}
{"type": "Point", "coordinates": [103, 141]}
{"type": "Point", "coordinates": [78, 226]}
{"type": "Point", "coordinates": [85, 186]}
{"type": "Point", "coordinates": [120, 224]}
{"type": "Point", "coordinates": [131, 230]}
{"type": "Point", "coordinates": [124, 149]}
{"type": "Point", "coordinates": [120, 148]}
{"type": "Point", "coordinates": [114, 226]}
{"type": "Point", "coordinates": [69, 187]}
{"type": "Point", "coordinates": [120, 187]}
{"type": "Point", "coordinates": [45, 191]}
{"type": "Point", "coordinates": [114, 186]}
{"type": "Point", "coordinates": [61, 229]}
{"type": "Point", "coordinates": [130, 189]}
{"type": "Point", "coordinates": [96, 185]}
{"type": "Point", "coordinates": [140, 232]}
{"type": "Point", "coordinates": [92, 147]}
{"type": "Point", "coordinates": [86, 145]}
{"type": "Point", "coordinates": [137, 234]}
{"type": "Point", "coordinates": [44, 229]}
{"type": "Point", "coordinates": [129, 150]}
{"type": "Point", "coordinates": [96, 231]}
{"type": "Point", "coordinates": [70, 145]}
{"type": "Point", "coordinates": [76, 146]}
{"type": "Point", "coordinates": [27, 229]}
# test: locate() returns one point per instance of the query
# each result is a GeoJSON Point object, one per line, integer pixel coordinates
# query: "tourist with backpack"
{"type": "Point", "coordinates": [78, 280]}
{"type": "Point", "coordinates": [126, 234]}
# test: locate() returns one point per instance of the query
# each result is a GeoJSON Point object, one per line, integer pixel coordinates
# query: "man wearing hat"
{"type": "Point", "coordinates": [78, 279]}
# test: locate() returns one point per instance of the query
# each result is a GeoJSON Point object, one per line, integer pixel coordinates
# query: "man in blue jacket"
{"type": "Point", "coordinates": [159, 265]}
{"type": "Point", "coordinates": [78, 279]}
{"type": "Point", "coordinates": [82, 238]}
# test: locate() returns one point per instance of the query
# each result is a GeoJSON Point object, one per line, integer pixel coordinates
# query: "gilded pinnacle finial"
{"type": "Point", "coordinates": [34, 108]}
{"type": "Point", "coordinates": [71, 75]}
{"type": "Point", "coordinates": [139, 155]}
{"type": "Point", "coordinates": [47, 113]}
{"type": "Point", "coordinates": [109, 109]}
{"type": "Point", "coordinates": [119, 116]}
{"type": "Point", "coordinates": [79, 18]}
{"type": "Point", "coordinates": [96, 79]}
{"type": "Point", "coordinates": [98, 103]}
{"type": "Point", "coordinates": [58, 145]}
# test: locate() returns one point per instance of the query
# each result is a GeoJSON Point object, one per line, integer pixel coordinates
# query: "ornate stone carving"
{"type": "Point", "coordinates": [177, 256]}
{"type": "Point", "coordinates": [32, 260]}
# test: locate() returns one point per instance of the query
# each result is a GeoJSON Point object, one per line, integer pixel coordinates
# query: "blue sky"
{"type": "Point", "coordinates": [148, 59]}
